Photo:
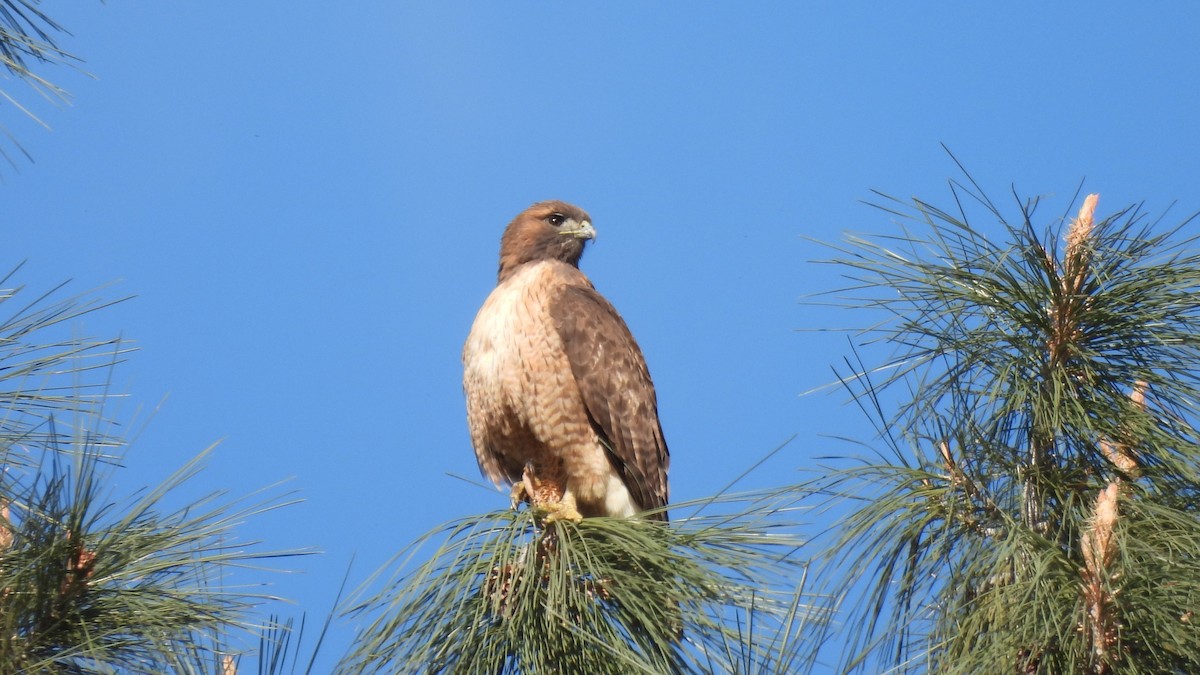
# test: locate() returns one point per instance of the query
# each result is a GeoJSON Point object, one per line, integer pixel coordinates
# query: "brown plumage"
{"type": "Point", "coordinates": [556, 387]}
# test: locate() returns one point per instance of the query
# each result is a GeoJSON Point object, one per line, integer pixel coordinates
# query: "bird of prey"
{"type": "Point", "coordinates": [559, 400]}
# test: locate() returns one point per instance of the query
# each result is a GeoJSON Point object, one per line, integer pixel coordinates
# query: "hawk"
{"type": "Point", "coordinates": [559, 400]}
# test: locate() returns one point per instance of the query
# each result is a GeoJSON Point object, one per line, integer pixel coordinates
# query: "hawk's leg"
{"type": "Point", "coordinates": [563, 509]}
{"type": "Point", "coordinates": [546, 495]}
{"type": "Point", "coordinates": [520, 495]}
{"type": "Point", "coordinates": [526, 490]}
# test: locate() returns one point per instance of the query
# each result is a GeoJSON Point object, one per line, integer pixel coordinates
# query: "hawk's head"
{"type": "Point", "coordinates": [550, 230]}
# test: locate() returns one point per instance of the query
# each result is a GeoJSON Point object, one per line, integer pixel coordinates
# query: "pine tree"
{"type": "Point", "coordinates": [27, 36]}
{"type": "Point", "coordinates": [1036, 509]}
{"type": "Point", "coordinates": [718, 590]}
{"type": "Point", "coordinates": [88, 584]}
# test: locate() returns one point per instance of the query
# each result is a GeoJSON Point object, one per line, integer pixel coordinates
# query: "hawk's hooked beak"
{"type": "Point", "coordinates": [584, 230]}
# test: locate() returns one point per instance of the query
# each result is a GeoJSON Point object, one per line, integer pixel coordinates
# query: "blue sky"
{"type": "Point", "coordinates": [307, 202]}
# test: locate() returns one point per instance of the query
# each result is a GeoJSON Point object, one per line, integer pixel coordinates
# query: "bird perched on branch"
{"type": "Point", "coordinates": [559, 400]}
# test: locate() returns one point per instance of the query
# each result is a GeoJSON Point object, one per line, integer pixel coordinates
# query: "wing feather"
{"type": "Point", "coordinates": [615, 384]}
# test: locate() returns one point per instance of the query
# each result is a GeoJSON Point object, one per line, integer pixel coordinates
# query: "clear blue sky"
{"type": "Point", "coordinates": [306, 200]}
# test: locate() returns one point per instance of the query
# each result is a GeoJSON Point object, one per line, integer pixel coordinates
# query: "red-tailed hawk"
{"type": "Point", "coordinates": [557, 390]}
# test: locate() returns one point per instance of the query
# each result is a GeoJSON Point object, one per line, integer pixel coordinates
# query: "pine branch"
{"type": "Point", "coordinates": [1001, 538]}
{"type": "Point", "coordinates": [87, 584]}
{"type": "Point", "coordinates": [29, 35]}
{"type": "Point", "coordinates": [506, 593]}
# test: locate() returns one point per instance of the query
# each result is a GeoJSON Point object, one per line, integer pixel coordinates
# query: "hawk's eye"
{"type": "Point", "coordinates": [556, 219]}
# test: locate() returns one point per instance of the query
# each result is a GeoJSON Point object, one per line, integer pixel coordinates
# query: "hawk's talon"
{"type": "Point", "coordinates": [556, 511]}
{"type": "Point", "coordinates": [519, 495]}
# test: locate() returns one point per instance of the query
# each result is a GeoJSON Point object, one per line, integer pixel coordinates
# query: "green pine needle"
{"type": "Point", "coordinates": [505, 593]}
{"type": "Point", "coordinates": [1007, 408]}
{"type": "Point", "coordinates": [89, 584]}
